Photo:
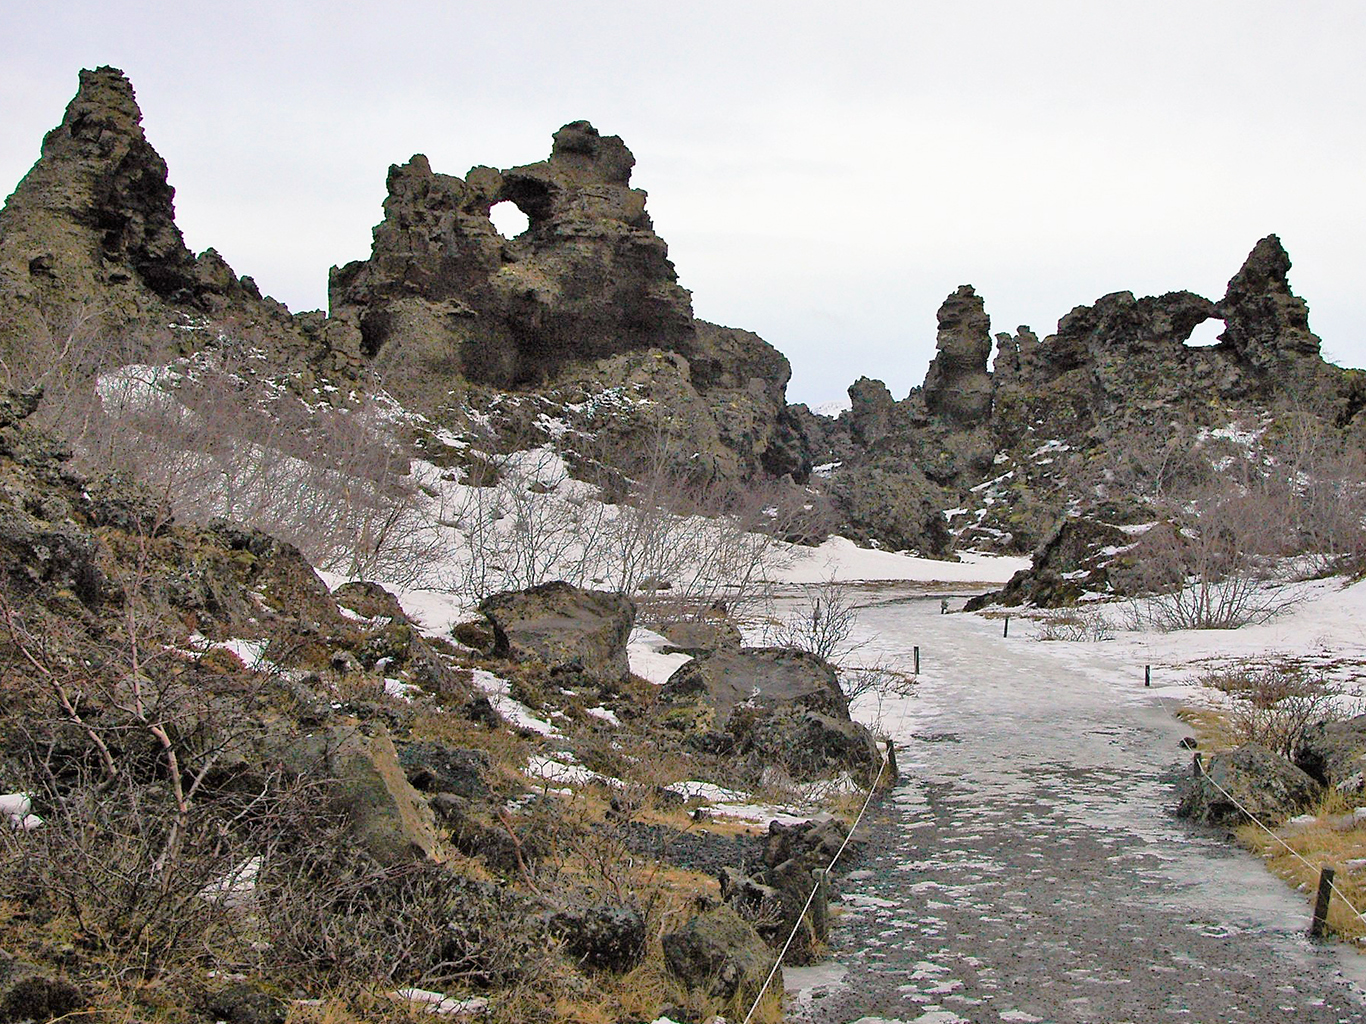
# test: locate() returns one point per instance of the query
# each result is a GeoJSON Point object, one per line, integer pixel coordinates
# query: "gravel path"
{"type": "Point", "coordinates": [1028, 867]}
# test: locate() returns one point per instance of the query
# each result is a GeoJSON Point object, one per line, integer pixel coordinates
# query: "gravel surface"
{"type": "Point", "coordinates": [1029, 868]}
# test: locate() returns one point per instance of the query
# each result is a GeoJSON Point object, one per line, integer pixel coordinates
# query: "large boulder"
{"type": "Point", "coordinates": [720, 955]}
{"type": "Point", "coordinates": [565, 628]}
{"type": "Point", "coordinates": [771, 676]}
{"type": "Point", "coordinates": [28, 993]}
{"type": "Point", "coordinates": [363, 780]}
{"type": "Point", "coordinates": [774, 707]}
{"type": "Point", "coordinates": [607, 935]}
{"type": "Point", "coordinates": [1266, 786]}
{"type": "Point", "coordinates": [783, 893]}
{"type": "Point", "coordinates": [1334, 753]}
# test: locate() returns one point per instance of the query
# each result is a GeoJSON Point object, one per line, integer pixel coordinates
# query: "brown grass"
{"type": "Point", "coordinates": [1332, 841]}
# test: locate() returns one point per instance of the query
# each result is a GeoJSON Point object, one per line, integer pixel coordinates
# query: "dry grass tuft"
{"type": "Point", "coordinates": [1334, 840]}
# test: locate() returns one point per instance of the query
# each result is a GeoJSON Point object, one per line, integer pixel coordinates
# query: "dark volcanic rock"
{"type": "Point", "coordinates": [444, 292]}
{"type": "Point", "coordinates": [721, 955]}
{"type": "Point", "coordinates": [1334, 753]}
{"type": "Point", "coordinates": [28, 993]}
{"type": "Point", "coordinates": [1265, 322]}
{"type": "Point", "coordinates": [894, 508]}
{"type": "Point", "coordinates": [1267, 785]}
{"type": "Point", "coordinates": [870, 410]}
{"type": "Point", "coordinates": [958, 386]}
{"type": "Point", "coordinates": [568, 629]}
{"type": "Point", "coordinates": [764, 675]}
{"type": "Point", "coordinates": [88, 240]}
{"type": "Point", "coordinates": [610, 936]}
{"type": "Point", "coordinates": [585, 297]}
{"type": "Point", "coordinates": [773, 707]}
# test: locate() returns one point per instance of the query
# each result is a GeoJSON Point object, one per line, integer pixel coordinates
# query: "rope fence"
{"type": "Point", "coordinates": [1202, 773]}
{"type": "Point", "coordinates": [820, 880]}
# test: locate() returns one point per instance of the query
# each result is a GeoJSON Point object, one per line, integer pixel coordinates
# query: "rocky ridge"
{"type": "Point", "coordinates": [451, 315]}
{"type": "Point", "coordinates": [1002, 456]}
{"type": "Point", "coordinates": [577, 331]}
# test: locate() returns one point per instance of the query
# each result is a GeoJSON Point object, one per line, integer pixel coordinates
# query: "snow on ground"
{"type": "Point", "coordinates": [1324, 626]}
{"type": "Point", "coordinates": [645, 651]}
{"type": "Point", "coordinates": [840, 559]}
{"type": "Point", "coordinates": [521, 716]}
{"type": "Point", "coordinates": [732, 803]}
{"type": "Point", "coordinates": [17, 807]}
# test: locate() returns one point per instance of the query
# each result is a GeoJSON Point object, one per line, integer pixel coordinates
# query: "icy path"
{"type": "Point", "coordinates": [1028, 868]}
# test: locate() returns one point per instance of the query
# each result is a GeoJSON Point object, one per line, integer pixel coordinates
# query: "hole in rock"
{"type": "Point", "coordinates": [509, 220]}
{"type": "Point", "coordinates": [1206, 334]}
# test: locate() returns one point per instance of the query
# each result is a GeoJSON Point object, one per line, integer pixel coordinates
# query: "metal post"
{"type": "Point", "coordinates": [916, 670]}
{"type": "Point", "coordinates": [1321, 904]}
{"type": "Point", "coordinates": [1147, 675]}
{"type": "Point", "coordinates": [1006, 631]}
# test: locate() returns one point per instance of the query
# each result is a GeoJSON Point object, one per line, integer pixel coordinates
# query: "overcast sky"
{"type": "Point", "coordinates": [824, 174]}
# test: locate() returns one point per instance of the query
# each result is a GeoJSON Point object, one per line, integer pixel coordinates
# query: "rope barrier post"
{"type": "Point", "coordinates": [1006, 632]}
{"type": "Point", "coordinates": [1325, 873]}
{"type": "Point", "coordinates": [820, 906]}
{"type": "Point", "coordinates": [1320, 921]}
{"type": "Point", "coordinates": [916, 655]}
{"type": "Point", "coordinates": [1195, 764]}
{"type": "Point", "coordinates": [1147, 675]}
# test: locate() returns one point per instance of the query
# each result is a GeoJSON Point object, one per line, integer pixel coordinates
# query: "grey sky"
{"type": "Point", "coordinates": [824, 174]}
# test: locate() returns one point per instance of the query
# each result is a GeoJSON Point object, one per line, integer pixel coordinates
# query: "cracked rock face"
{"type": "Point", "coordinates": [89, 239]}
{"type": "Point", "coordinates": [1266, 323]}
{"type": "Point", "coordinates": [958, 386]}
{"type": "Point", "coordinates": [589, 278]}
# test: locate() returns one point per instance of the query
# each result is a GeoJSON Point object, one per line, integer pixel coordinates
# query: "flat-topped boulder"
{"type": "Point", "coordinates": [565, 628]}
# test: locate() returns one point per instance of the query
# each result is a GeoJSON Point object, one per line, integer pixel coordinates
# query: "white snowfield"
{"type": "Point", "coordinates": [1322, 625]}
{"type": "Point", "coordinates": [841, 560]}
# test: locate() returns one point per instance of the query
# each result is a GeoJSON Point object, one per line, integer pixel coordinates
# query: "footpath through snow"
{"type": "Point", "coordinates": [1028, 867]}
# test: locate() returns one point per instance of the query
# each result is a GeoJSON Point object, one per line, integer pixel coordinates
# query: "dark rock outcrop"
{"type": "Point", "coordinates": [30, 993]}
{"type": "Point", "coordinates": [1267, 785]}
{"type": "Point", "coordinates": [721, 955]}
{"type": "Point", "coordinates": [958, 386]}
{"type": "Point", "coordinates": [89, 243]}
{"type": "Point", "coordinates": [1334, 753]}
{"type": "Point", "coordinates": [1061, 426]}
{"type": "Point", "coordinates": [567, 629]}
{"type": "Point", "coordinates": [607, 935]}
{"type": "Point", "coordinates": [1266, 324]}
{"type": "Point", "coordinates": [444, 292]}
{"type": "Point", "coordinates": [783, 894]}
{"type": "Point", "coordinates": [776, 708]}
{"type": "Point", "coordinates": [585, 296]}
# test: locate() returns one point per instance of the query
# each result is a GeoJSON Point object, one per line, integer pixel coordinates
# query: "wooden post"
{"type": "Point", "coordinates": [1321, 904]}
{"type": "Point", "coordinates": [1198, 769]}
{"type": "Point", "coordinates": [1147, 675]}
{"type": "Point", "coordinates": [820, 906]}
{"type": "Point", "coordinates": [1006, 631]}
{"type": "Point", "coordinates": [916, 670]}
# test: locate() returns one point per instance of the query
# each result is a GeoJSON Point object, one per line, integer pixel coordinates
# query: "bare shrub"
{"type": "Point", "coordinates": [217, 439]}
{"type": "Point", "coordinates": [679, 543]}
{"type": "Point", "coordinates": [1075, 626]}
{"type": "Point", "coordinates": [1213, 566]}
{"type": "Point", "coordinates": [823, 624]}
{"type": "Point", "coordinates": [1273, 704]}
